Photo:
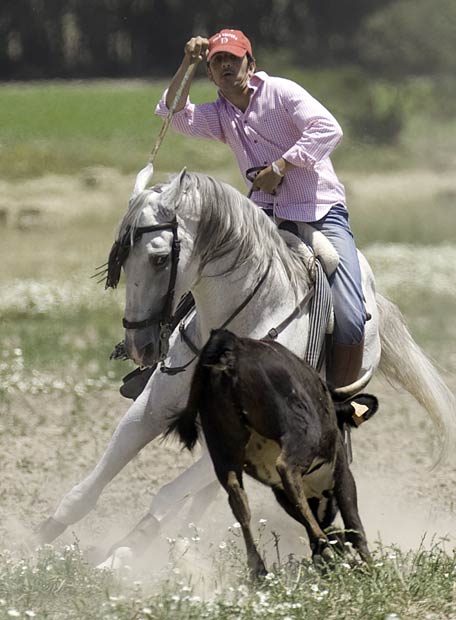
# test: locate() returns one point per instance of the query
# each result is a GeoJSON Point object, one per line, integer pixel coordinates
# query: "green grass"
{"type": "Point", "coordinates": [62, 127]}
{"type": "Point", "coordinates": [61, 585]}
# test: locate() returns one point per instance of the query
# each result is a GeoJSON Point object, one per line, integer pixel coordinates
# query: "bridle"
{"type": "Point", "coordinates": [165, 318]}
{"type": "Point", "coordinates": [118, 256]}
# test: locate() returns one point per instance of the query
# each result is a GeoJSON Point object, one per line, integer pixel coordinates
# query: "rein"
{"type": "Point", "coordinates": [178, 369]}
{"type": "Point", "coordinates": [272, 334]}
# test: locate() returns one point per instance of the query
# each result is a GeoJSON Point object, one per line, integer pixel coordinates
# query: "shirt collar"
{"type": "Point", "coordinates": [257, 79]}
{"type": "Point", "coordinates": [255, 82]}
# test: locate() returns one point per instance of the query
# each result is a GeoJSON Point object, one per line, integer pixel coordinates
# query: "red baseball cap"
{"type": "Point", "coordinates": [231, 41]}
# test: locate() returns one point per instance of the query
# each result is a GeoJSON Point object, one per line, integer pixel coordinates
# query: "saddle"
{"type": "Point", "coordinates": [322, 248]}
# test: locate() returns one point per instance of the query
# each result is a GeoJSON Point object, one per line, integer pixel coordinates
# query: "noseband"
{"type": "Point", "coordinates": [118, 256]}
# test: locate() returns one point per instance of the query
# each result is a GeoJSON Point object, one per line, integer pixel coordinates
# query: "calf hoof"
{"type": "Point", "coordinates": [48, 531]}
{"type": "Point", "coordinates": [324, 557]}
{"type": "Point", "coordinates": [258, 571]}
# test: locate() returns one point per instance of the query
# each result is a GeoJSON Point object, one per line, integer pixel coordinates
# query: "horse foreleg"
{"type": "Point", "coordinates": [199, 480]}
{"type": "Point", "coordinates": [201, 502]}
{"type": "Point", "coordinates": [136, 429]}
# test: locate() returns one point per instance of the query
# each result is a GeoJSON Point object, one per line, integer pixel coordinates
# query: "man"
{"type": "Point", "coordinates": [274, 125]}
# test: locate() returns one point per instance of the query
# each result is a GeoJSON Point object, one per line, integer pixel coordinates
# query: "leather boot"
{"type": "Point", "coordinates": [345, 365]}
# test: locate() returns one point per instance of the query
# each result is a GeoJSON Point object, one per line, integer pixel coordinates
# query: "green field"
{"type": "Point", "coordinates": [68, 157]}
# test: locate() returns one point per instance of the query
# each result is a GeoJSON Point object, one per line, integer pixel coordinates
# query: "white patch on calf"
{"type": "Point", "coordinates": [261, 455]}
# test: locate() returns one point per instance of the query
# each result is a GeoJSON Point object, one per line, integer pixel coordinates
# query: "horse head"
{"type": "Point", "coordinates": [154, 248]}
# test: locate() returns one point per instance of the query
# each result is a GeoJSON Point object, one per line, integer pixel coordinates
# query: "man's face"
{"type": "Point", "coordinates": [228, 71]}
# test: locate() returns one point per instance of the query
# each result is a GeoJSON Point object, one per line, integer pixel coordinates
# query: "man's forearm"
{"type": "Point", "coordinates": [176, 82]}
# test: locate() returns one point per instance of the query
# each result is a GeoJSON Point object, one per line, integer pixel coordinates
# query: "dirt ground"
{"type": "Point", "coordinates": [50, 443]}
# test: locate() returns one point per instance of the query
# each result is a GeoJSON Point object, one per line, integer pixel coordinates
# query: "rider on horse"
{"type": "Point", "coordinates": [276, 127]}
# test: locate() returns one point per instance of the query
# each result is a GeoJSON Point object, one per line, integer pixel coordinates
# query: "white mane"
{"type": "Point", "coordinates": [230, 223]}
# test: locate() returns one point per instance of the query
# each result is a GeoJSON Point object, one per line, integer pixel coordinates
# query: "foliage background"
{"type": "Point", "coordinates": [82, 38]}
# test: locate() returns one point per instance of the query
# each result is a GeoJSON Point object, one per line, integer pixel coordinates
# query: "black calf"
{"type": "Point", "coordinates": [266, 412]}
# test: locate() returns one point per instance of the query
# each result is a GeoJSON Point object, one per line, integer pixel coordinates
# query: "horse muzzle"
{"type": "Point", "coordinates": [143, 345]}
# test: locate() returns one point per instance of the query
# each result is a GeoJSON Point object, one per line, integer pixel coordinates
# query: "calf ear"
{"type": "Point", "coordinates": [357, 410]}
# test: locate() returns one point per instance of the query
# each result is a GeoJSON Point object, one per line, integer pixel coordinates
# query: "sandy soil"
{"type": "Point", "coordinates": [49, 443]}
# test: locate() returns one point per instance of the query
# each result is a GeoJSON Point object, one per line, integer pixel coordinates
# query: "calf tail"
{"type": "Point", "coordinates": [216, 355]}
{"type": "Point", "coordinates": [184, 424]}
{"type": "Point", "coordinates": [403, 362]}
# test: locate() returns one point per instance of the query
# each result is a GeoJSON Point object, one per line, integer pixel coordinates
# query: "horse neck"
{"type": "Point", "coordinates": [219, 296]}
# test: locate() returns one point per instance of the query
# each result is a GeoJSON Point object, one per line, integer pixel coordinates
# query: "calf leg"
{"type": "Point", "coordinates": [237, 498]}
{"type": "Point", "coordinates": [346, 496]}
{"type": "Point", "coordinates": [291, 477]}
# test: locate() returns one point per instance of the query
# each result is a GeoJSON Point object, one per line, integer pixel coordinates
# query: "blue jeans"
{"type": "Point", "coordinates": [346, 287]}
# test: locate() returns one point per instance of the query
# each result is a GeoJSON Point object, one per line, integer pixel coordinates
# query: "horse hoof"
{"type": "Point", "coordinates": [119, 559]}
{"type": "Point", "coordinates": [48, 531]}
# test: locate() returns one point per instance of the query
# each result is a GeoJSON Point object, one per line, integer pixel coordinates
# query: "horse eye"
{"type": "Point", "coordinates": [158, 261]}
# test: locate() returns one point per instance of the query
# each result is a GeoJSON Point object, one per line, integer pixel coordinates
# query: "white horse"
{"type": "Point", "coordinates": [196, 234]}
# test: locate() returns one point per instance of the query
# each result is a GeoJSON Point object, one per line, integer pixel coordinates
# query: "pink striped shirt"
{"type": "Point", "coordinates": [281, 120]}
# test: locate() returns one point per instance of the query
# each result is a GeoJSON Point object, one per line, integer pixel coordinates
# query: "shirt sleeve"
{"type": "Point", "coordinates": [198, 121]}
{"type": "Point", "coordinates": [320, 132]}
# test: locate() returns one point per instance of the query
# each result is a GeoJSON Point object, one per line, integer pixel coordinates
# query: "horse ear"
{"type": "Point", "coordinates": [178, 186]}
{"type": "Point", "coordinates": [182, 175]}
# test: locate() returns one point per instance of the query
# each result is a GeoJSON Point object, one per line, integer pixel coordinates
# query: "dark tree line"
{"type": "Point", "coordinates": [82, 38]}
{"type": "Point", "coordinates": [52, 38]}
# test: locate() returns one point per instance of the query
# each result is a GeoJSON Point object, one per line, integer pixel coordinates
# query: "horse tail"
{"type": "Point", "coordinates": [402, 361]}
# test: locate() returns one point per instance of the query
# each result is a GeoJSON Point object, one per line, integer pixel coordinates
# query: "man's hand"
{"type": "Point", "coordinates": [197, 49]}
{"type": "Point", "coordinates": [267, 181]}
